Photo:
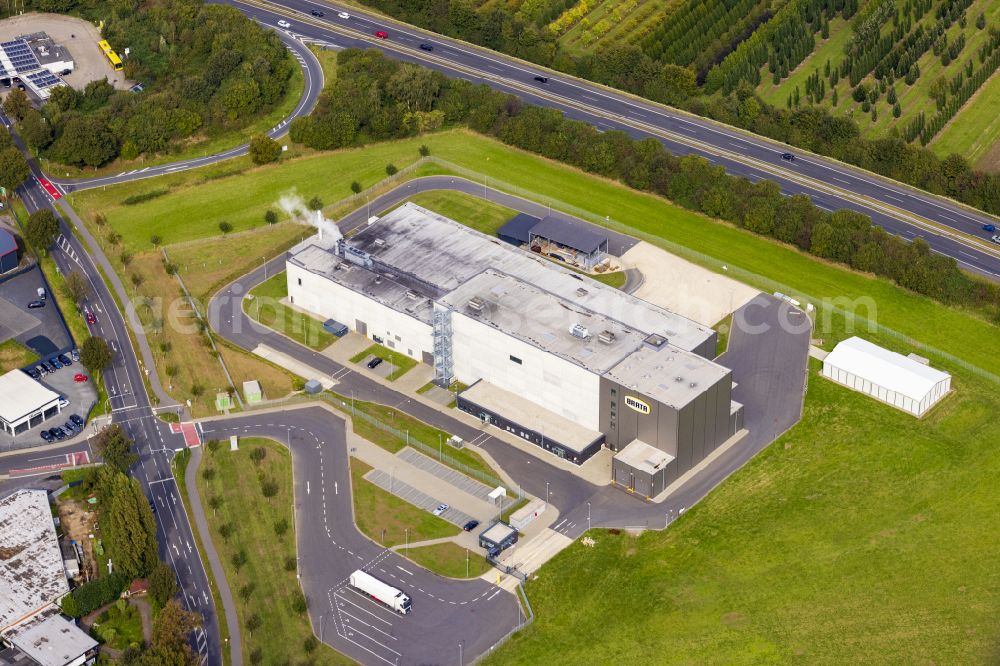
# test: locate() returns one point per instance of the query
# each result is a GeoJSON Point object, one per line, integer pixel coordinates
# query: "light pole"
{"type": "Point", "coordinates": [466, 562]}
{"type": "Point", "coordinates": [461, 653]}
{"type": "Point", "coordinates": [407, 532]}
{"type": "Point", "coordinates": [546, 494]}
{"type": "Point", "coordinates": [588, 516]}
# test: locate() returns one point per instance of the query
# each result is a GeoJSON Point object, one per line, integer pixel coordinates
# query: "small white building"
{"type": "Point", "coordinates": [892, 378]}
{"type": "Point", "coordinates": [24, 402]}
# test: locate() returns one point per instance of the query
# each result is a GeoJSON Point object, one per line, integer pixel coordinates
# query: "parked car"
{"type": "Point", "coordinates": [54, 362]}
{"type": "Point", "coordinates": [63, 402]}
{"type": "Point", "coordinates": [75, 418]}
{"type": "Point", "coordinates": [152, 505]}
{"type": "Point", "coordinates": [542, 79]}
{"type": "Point", "coordinates": [471, 525]}
{"type": "Point", "coordinates": [382, 34]}
{"type": "Point", "coordinates": [48, 368]}
{"type": "Point", "coordinates": [46, 436]}
{"type": "Point", "coordinates": [788, 157]}
{"type": "Point", "coordinates": [58, 433]}
{"type": "Point", "coordinates": [36, 304]}
{"type": "Point", "coordinates": [75, 354]}
{"type": "Point", "coordinates": [33, 373]}
{"type": "Point", "coordinates": [91, 318]}
{"type": "Point", "coordinates": [441, 508]}
{"type": "Point", "coordinates": [65, 360]}
{"type": "Point", "coordinates": [318, 13]}
{"type": "Point", "coordinates": [375, 362]}
{"type": "Point", "coordinates": [70, 427]}
{"type": "Point", "coordinates": [42, 370]}
{"type": "Point", "coordinates": [80, 377]}
{"type": "Point", "coordinates": [426, 47]}
{"type": "Point", "coordinates": [282, 23]}
{"type": "Point", "coordinates": [343, 15]}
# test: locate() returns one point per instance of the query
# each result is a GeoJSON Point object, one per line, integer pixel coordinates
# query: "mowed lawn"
{"type": "Point", "coordinates": [484, 216]}
{"type": "Point", "coordinates": [860, 537]}
{"type": "Point", "coordinates": [450, 559]}
{"type": "Point", "coordinates": [14, 355]}
{"type": "Point", "coordinates": [265, 585]}
{"type": "Point", "coordinates": [265, 307]}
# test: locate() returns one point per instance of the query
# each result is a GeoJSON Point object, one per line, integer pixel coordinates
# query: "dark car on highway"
{"type": "Point", "coordinates": [990, 228]}
{"type": "Point", "coordinates": [426, 47]}
{"type": "Point", "coordinates": [788, 157]}
{"type": "Point", "coordinates": [542, 79]}
{"type": "Point", "coordinates": [374, 362]}
{"type": "Point", "coordinates": [318, 13]}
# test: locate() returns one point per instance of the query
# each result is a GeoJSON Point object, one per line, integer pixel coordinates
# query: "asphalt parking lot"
{"type": "Point", "coordinates": [40, 329]}
{"type": "Point", "coordinates": [81, 395]}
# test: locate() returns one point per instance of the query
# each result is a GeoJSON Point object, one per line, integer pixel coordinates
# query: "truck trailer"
{"type": "Point", "coordinates": [381, 592]}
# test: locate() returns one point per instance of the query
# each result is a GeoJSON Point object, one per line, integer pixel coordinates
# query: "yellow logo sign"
{"type": "Point", "coordinates": [636, 404]}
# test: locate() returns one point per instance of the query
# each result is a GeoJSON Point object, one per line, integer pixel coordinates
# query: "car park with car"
{"type": "Point", "coordinates": [75, 354]}
{"type": "Point", "coordinates": [46, 436]}
{"type": "Point", "coordinates": [33, 373]}
{"type": "Point", "coordinates": [471, 525]}
{"type": "Point", "coordinates": [80, 378]}
{"type": "Point", "coordinates": [63, 402]}
{"type": "Point", "coordinates": [58, 433]}
{"type": "Point", "coordinates": [64, 359]}
{"type": "Point", "coordinates": [75, 418]}
{"type": "Point", "coordinates": [36, 304]}
{"type": "Point", "coordinates": [439, 509]}
{"type": "Point", "coordinates": [54, 362]}
{"type": "Point", "coordinates": [375, 362]}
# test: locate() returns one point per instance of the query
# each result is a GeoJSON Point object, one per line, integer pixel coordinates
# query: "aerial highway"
{"type": "Point", "coordinates": [950, 228]}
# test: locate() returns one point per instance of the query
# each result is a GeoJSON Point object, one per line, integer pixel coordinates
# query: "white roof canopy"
{"type": "Point", "coordinates": [885, 368]}
{"type": "Point", "coordinates": [20, 395]}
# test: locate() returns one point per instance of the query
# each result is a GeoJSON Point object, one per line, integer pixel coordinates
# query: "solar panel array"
{"type": "Point", "coordinates": [43, 79]}
{"type": "Point", "coordinates": [20, 54]}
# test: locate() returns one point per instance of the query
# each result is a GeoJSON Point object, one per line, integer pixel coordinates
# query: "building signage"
{"type": "Point", "coordinates": [636, 404]}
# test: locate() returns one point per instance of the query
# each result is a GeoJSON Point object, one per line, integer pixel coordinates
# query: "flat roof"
{"type": "Point", "coordinates": [524, 412]}
{"type": "Point", "coordinates": [543, 320]}
{"type": "Point", "coordinates": [666, 374]}
{"type": "Point", "coordinates": [518, 227]}
{"type": "Point", "coordinates": [577, 236]}
{"type": "Point", "coordinates": [497, 532]}
{"type": "Point", "coordinates": [644, 457]}
{"type": "Point", "coordinates": [31, 564]}
{"type": "Point", "coordinates": [55, 641]}
{"type": "Point", "coordinates": [20, 395]}
{"type": "Point", "coordinates": [412, 249]}
{"type": "Point", "coordinates": [885, 368]}
{"type": "Point", "coordinates": [8, 243]}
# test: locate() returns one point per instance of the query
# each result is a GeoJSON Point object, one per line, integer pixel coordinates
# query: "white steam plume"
{"type": "Point", "coordinates": [295, 207]}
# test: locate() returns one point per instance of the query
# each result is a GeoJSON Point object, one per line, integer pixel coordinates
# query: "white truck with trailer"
{"type": "Point", "coordinates": [381, 592]}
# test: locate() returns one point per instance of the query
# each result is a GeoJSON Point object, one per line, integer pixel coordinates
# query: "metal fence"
{"type": "Point", "coordinates": [522, 597]}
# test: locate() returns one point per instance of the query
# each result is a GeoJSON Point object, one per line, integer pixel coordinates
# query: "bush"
{"type": "Point", "coordinates": [142, 197]}
{"type": "Point", "coordinates": [270, 216]}
{"type": "Point", "coordinates": [391, 170]}
{"type": "Point", "coordinates": [290, 563]}
{"type": "Point", "coordinates": [264, 149]}
{"type": "Point", "coordinates": [91, 596]}
{"type": "Point", "coordinates": [356, 187]}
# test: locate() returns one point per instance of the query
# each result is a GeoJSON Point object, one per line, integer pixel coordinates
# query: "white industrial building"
{"type": "Point", "coordinates": [32, 581]}
{"type": "Point", "coordinates": [35, 61]}
{"type": "Point", "coordinates": [904, 382]}
{"type": "Point", "coordinates": [24, 402]}
{"type": "Point", "coordinates": [548, 354]}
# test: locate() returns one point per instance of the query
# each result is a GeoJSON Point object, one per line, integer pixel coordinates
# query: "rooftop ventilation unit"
{"type": "Point", "coordinates": [356, 256]}
{"type": "Point", "coordinates": [655, 340]}
{"type": "Point", "coordinates": [476, 304]}
{"type": "Point", "coordinates": [678, 379]}
{"type": "Point", "coordinates": [607, 337]}
{"type": "Point", "coordinates": [412, 295]}
{"type": "Point", "coordinates": [378, 279]}
{"type": "Point", "coordinates": [379, 242]}
{"type": "Point", "coordinates": [581, 291]}
{"type": "Point", "coordinates": [579, 331]}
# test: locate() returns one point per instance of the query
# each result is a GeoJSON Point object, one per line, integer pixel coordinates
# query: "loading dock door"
{"type": "Point", "coordinates": [361, 327]}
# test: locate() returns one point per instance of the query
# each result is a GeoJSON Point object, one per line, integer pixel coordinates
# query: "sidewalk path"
{"type": "Point", "coordinates": [228, 605]}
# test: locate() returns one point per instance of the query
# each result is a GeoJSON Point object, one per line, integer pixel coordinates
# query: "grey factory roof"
{"type": "Point", "coordinates": [53, 641]}
{"type": "Point", "coordinates": [518, 227]}
{"type": "Point", "coordinates": [415, 250]}
{"type": "Point", "coordinates": [543, 320]}
{"type": "Point", "coordinates": [31, 564]}
{"type": "Point", "coordinates": [668, 375]}
{"type": "Point", "coordinates": [576, 236]}
{"type": "Point", "coordinates": [641, 456]}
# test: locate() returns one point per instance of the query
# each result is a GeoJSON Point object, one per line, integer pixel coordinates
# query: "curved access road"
{"type": "Point", "coordinates": [449, 617]}
{"type": "Point", "coordinates": [313, 77]}
{"type": "Point", "coordinates": [949, 227]}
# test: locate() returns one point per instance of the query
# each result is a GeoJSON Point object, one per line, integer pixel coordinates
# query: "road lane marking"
{"type": "Point", "coordinates": [404, 570]}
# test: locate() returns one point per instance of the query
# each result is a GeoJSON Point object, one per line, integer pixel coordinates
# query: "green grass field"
{"type": "Point", "coordinates": [451, 560]}
{"type": "Point", "coordinates": [401, 362]}
{"type": "Point", "coordinates": [484, 216]}
{"type": "Point", "coordinates": [389, 520]}
{"type": "Point", "coordinates": [858, 537]}
{"type": "Point", "coordinates": [14, 355]}
{"type": "Point", "coordinates": [975, 129]}
{"type": "Point", "coordinates": [119, 627]}
{"type": "Point", "coordinates": [265, 307]}
{"type": "Point", "coordinates": [264, 585]}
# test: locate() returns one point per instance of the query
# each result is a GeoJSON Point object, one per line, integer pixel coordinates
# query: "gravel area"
{"type": "Point", "coordinates": [78, 36]}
